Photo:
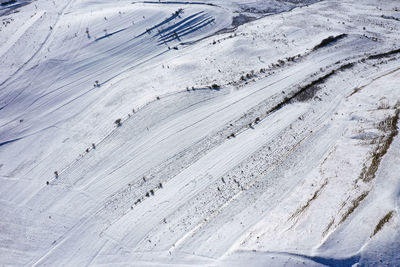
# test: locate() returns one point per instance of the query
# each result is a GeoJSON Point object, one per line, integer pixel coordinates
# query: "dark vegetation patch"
{"type": "Point", "coordinates": [304, 207]}
{"type": "Point", "coordinates": [382, 222]}
{"type": "Point", "coordinates": [215, 86]}
{"type": "Point", "coordinates": [118, 122]}
{"type": "Point", "coordinates": [264, 72]}
{"type": "Point", "coordinates": [308, 91]}
{"type": "Point", "coordinates": [346, 66]}
{"type": "Point", "coordinates": [354, 204]}
{"type": "Point", "coordinates": [308, 94]}
{"type": "Point", "coordinates": [390, 17]}
{"type": "Point", "coordinates": [328, 227]}
{"type": "Point", "coordinates": [241, 19]}
{"type": "Point", "coordinates": [389, 126]}
{"type": "Point", "coordinates": [330, 40]}
{"type": "Point", "coordinates": [383, 55]}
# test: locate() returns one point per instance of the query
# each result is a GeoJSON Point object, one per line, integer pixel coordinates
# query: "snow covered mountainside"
{"type": "Point", "coordinates": [205, 133]}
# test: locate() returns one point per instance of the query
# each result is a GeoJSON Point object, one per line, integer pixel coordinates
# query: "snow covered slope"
{"type": "Point", "coordinates": [222, 133]}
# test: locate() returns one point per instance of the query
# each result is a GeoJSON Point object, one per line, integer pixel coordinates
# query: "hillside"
{"type": "Point", "coordinates": [217, 133]}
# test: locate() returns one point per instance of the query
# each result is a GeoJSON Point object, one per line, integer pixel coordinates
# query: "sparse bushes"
{"type": "Point", "coordinates": [384, 105]}
{"type": "Point", "coordinates": [382, 222]}
{"type": "Point", "coordinates": [389, 126]}
{"type": "Point", "coordinates": [383, 55]}
{"type": "Point", "coordinates": [390, 17]}
{"type": "Point", "coordinates": [176, 13]}
{"type": "Point", "coordinates": [354, 204]}
{"type": "Point", "coordinates": [214, 86]}
{"type": "Point", "coordinates": [290, 59]}
{"type": "Point", "coordinates": [329, 40]}
{"type": "Point", "coordinates": [232, 135]}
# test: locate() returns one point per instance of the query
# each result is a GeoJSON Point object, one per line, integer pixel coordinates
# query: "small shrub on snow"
{"type": "Point", "coordinates": [214, 86]}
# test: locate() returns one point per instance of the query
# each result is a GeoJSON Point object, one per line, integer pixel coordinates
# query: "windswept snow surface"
{"type": "Point", "coordinates": [217, 133]}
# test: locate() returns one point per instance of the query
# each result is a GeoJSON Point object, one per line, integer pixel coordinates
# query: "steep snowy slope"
{"type": "Point", "coordinates": [163, 133]}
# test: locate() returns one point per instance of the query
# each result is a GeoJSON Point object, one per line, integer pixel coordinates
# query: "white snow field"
{"type": "Point", "coordinates": [205, 133]}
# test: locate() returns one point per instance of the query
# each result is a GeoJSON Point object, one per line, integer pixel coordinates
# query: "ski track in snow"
{"type": "Point", "coordinates": [267, 144]}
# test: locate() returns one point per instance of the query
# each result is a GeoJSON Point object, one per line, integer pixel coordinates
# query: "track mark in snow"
{"type": "Point", "coordinates": [110, 34]}
{"type": "Point", "coordinates": [40, 47]}
{"type": "Point", "coordinates": [348, 261]}
{"type": "Point", "coordinates": [175, 190]}
{"type": "Point", "coordinates": [9, 141]}
{"type": "Point", "coordinates": [15, 37]}
{"type": "Point", "coordinates": [358, 89]}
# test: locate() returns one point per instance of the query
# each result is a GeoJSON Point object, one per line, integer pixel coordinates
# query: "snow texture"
{"type": "Point", "coordinates": [204, 133]}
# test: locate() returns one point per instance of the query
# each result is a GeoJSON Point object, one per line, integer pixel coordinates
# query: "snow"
{"type": "Point", "coordinates": [292, 160]}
